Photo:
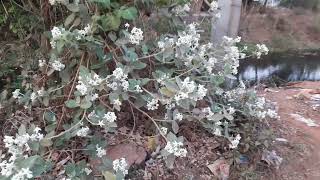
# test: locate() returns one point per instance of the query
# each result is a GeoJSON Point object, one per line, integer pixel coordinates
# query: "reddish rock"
{"type": "Point", "coordinates": [131, 152]}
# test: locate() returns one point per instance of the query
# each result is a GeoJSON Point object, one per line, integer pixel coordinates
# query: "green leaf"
{"type": "Point", "coordinates": [103, 3]}
{"type": "Point", "coordinates": [113, 36]}
{"type": "Point", "coordinates": [73, 7]}
{"type": "Point", "coordinates": [71, 103]}
{"type": "Point", "coordinates": [110, 22]}
{"type": "Point", "coordinates": [50, 117]}
{"type": "Point", "coordinates": [69, 19]}
{"type": "Point", "coordinates": [175, 127]}
{"type": "Point", "coordinates": [108, 175]}
{"type": "Point", "coordinates": [138, 65]}
{"type": "Point", "coordinates": [36, 164]}
{"type": "Point", "coordinates": [46, 142]}
{"type": "Point", "coordinates": [85, 104]}
{"type": "Point", "coordinates": [129, 14]}
{"type": "Point", "coordinates": [172, 86]}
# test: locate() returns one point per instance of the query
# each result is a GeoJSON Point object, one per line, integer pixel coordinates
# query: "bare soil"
{"type": "Point", "coordinates": [301, 153]}
{"type": "Point", "coordinates": [281, 28]}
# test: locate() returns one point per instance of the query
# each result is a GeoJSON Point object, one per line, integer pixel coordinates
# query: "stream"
{"type": "Point", "coordinates": [294, 67]}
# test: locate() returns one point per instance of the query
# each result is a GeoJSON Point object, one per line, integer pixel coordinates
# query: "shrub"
{"type": "Point", "coordinates": [99, 64]}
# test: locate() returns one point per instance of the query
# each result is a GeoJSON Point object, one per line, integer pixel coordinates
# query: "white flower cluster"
{"type": "Point", "coordinates": [262, 49]}
{"type": "Point", "coordinates": [233, 53]}
{"type": "Point", "coordinates": [136, 36]}
{"type": "Point", "coordinates": [117, 80]}
{"type": "Point", "coordinates": [16, 94]}
{"type": "Point", "coordinates": [56, 33]}
{"type": "Point", "coordinates": [166, 43]}
{"type": "Point", "coordinates": [83, 32]}
{"type": "Point", "coordinates": [189, 38]}
{"type": "Point", "coordinates": [42, 63]}
{"type": "Point", "coordinates": [100, 151]}
{"type": "Point", "coordinates": [189, 89]}
{"type": "Point", "coordinates": [235, 142]}
{"type": "Point", "coordinates": [22, 174]}
{"type": "Point", "coordinates": [176, 149]}
{"type": "Point", "coordinates": [153, 104]}
{"type": "Point", "coordinates": [178, 117]}
{"type": "Point", "coordinates": [57, 65]}
{"type": "Point", "coordinates": [163, 130]}
{"type": "Point", "coordinates": [109, 117]}
{"type": "Point", "coordinates": [83, 131]}
{"type": "Point", "coordinates": [181, 9]}
{"type": "Point", "coordinates": [209, 115]}
{"type": "Point", "coordinates": [53, 2]}
{"type": "Point", "coordinates": [214, 6]}
{"type": "Point", "coordinates": [86, 85]}
{"type": "Point", "coordinates": [120, 165]}
{"type": "Point", "coordinates": [16, 148]}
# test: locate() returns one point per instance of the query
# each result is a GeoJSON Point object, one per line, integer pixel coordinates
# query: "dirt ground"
{"type": "Point", "coordinates": [301, 152]}
{"type": "Point", "coordinates": [281, 28]}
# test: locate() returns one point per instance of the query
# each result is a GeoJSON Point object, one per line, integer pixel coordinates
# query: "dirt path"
{"type": "Point", "coordinates": [301, 153]}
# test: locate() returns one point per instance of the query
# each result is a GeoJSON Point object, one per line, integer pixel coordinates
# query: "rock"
{"type": "Point", "coordinates": [220, 168]}
{"type": "Point", "coordinates": [271, 158]}
{"type": "Point", "coordinates": [134, 155]}
{"type": "Point", "coordinates": [308, 121]}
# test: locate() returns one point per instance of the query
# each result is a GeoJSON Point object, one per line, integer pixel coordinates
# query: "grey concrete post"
{"type": "Point", "coordinates": [228, 23]}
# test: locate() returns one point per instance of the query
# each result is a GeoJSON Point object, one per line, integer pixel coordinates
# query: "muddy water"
{"type": "Point", "coordinates": [287, 67]}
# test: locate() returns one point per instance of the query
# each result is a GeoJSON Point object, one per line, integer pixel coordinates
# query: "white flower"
{"type": "Point", "coordinates": [42, 63]}
{"type": "Point", "coordinates": [23, 174]}
{"type": "Point", "coordinates": [175, 148]}
{"type": "Point", "coordinates": [261, 101]}
{"type": "Point", "coordinates": [83, 132]}
{"type": "Point", "coordinates": [153, 104]}
{"type": "Point", "coordinates": [100, 152]}
{"type": "Point", "coordinates": [202, 92]}
{"type": "Point", "coordinates": [7, 168]}
{"type": "Point", "coordinates": [164, 130]}
{"type": "Point", "coordinates": [125, 85]}
{"type": "Point", "coordinates": [217, 132]}
{"type": "Point", "coordinates": [40, 92]}
{"type": "Point", "coordinates": [16, 93]}
{"type": "Point", "coordinates": [101, 123]}
{"type": "Point", "coordinates": [138, 89]}
{"type": "Point", "coordinates": [88, 171]}
{"type": "Point", "coordinates": [120, 165]}
{"type": "Point", "coordinates": [161, 45]}
{"type": "Point", "coordinates": [272, 113]}
{"type": "Point", "coordinates": [52, 2]}
{"type": "Point", "coordinates": [235, 142]}
{"type": "Point", "coordinates": [261, 49]}
{"type": "Point", "coordinates": [87, 29]}
{"type": "Point", "coordinates": [94, 97]}
{"type": "Point", "coordinates": [178, 117]}
{"type": "Point", "coordinates": [95, 81]}
{"type": "Point", "coordinates": [181, 9]}
{"type": "Point", "coordinates": [56, 32]}
{"type": "Point", "coordinates": [127, 25]}
{"type": "Point", "coordinates": [110, 117]}
{"type": "Point", "coordinates": [57, 65]}
{"type": "Point", "coordinates": [214, 6]}
{"type": "Point", "coordinates": [117, 102]}
{"type": "Point", "coordinates": [136, 36]}
{"type": "Point", "coordinates": [53, 44]}
{"type": "Point", "coordinates": [231, 110]}
{"type": "Point", "coordinates": [82, 88]}
{"type": "Point", "coordinates": [33, 96]}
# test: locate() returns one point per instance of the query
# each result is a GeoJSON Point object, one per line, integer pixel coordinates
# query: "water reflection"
{"type": "Point", "coordinates": [289, 68]}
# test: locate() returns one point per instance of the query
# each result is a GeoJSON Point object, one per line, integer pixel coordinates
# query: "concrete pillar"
{"type": "Point", "coordinates": [228, 23]}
